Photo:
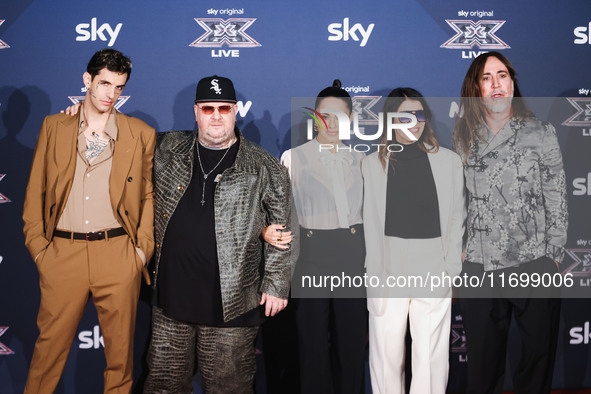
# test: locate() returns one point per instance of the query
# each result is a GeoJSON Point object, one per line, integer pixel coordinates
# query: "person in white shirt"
{"type": "Point", "coordinates": [328, 193]}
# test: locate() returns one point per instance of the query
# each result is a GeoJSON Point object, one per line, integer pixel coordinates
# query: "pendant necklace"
{"type": "Point", "coordinates": [94, 132]}
{"type": "Point", "coordinates": [209, 173]}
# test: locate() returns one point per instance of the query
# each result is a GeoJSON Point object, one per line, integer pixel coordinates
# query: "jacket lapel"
{"type": "Point", "coordinates": [65, 159]}
{"type": "Point", "coordinates": [125, 146]}
{"type": "Point", "coordinates": [381, 186]}
{"type": "Point", "coordinates": [443, 180]}
{"type": "Point", "coordinates": [503, 135]}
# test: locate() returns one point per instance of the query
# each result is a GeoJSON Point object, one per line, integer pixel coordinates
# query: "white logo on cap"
{"type": "Point", "coordinates": [215, 86]}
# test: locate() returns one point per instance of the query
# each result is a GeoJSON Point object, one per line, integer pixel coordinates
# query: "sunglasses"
{"type": "Point", "coordinates": [210, 109]}
{"type": "Point", "coordinates": [420, 114]}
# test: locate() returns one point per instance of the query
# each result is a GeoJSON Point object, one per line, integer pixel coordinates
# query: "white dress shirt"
{"type": "Point", "coordinates": [327, 186]}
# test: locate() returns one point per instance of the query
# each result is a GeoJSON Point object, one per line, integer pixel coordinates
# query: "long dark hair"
{"type": "Point", "coordinates": [393, 102]}
{"type": "Point", "coordinates": [466, 130]}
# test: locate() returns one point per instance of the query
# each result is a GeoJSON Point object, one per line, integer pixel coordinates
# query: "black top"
{"type": "Point", "coordinates": [412, 209]}
{"type": "Point", "coordinates": [188, 286]}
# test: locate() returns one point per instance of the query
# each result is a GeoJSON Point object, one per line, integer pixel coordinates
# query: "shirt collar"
{"type": "Point", "coordinates": [110, 130]}
{"type": "Point", "coordinates": [489, 135]}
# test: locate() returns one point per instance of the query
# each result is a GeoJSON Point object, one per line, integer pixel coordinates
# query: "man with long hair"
{"type": "Point", "coordinates": [516, 225]}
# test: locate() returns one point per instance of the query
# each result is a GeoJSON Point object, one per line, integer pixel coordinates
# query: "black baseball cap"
{"type": "Point", "coordinates": [215, 88]}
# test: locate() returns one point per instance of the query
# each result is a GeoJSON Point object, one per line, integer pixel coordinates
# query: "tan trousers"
{"type": "Point", "coordinates": [69, 271]}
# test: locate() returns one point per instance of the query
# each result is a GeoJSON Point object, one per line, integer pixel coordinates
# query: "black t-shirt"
{"type": "Point", "coordinates": [188, 286]}
{"type": "Point", "coordinates": [412, 208]}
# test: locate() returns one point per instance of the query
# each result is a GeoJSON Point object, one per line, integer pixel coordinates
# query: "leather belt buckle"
{"type": "Point", "coordinates": [98, 236]}
{"type": "Point", "coordinates": [94, 236]}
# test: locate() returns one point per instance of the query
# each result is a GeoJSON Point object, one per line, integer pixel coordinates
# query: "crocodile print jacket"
{"type": "Point", "coordinates": [254, 192]}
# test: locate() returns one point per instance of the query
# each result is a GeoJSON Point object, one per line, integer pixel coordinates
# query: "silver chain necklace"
{"type": "Point", "coordinates": [94, 132]}
{"type": "Point", "coordinates": [209, 173]}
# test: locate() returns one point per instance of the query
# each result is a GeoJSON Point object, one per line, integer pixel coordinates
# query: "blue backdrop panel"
{"type": "Point", "coordinates": [274, 51]}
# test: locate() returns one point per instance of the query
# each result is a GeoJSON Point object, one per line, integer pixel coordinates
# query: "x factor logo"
{"type": "Point", "coordinates": [581, 264]}
{"type": "Point", "coordinates": [3, 45]}
{"type": "Point", "coordinates": [362, 108]}
{"type": "Point", "coordinates": [4, 350]}
{"type": "Point", "coordinates": [3, 198]}
{"type": "Point", "coordinates": [230, 32]}
{"type": "Point", "coordinates": [120, 100]}
{"type": "Point", "coordinates": [458, 338]}
{"type": "Point", "coordinates": [480, 34]}
{"type": "Point", "coordinates": [583, 115]}
{"type": "Point", "coordinates": [362, 105]}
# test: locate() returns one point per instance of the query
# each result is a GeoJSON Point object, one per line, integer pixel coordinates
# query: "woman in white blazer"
{"type": "Point", "coordinates": [414, 213]}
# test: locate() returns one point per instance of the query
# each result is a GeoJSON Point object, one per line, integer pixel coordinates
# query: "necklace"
{"type": "Point", "coordinates": [209, 173]}
{"type": "Point", "coordinates": [94, 133]}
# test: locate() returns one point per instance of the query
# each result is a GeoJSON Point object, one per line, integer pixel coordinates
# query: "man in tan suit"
{"type": "Point", "coordinates": [88, 217]}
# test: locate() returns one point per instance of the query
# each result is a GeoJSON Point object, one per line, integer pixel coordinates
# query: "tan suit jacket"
{"type": "Point", "coordinates": [52, 172]}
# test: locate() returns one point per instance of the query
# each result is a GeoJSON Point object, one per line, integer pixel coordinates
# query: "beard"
{"type": "Point", "coordinates": [498, 105]}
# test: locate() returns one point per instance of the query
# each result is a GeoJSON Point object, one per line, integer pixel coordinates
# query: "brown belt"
{"type": "Point", "coordinates": [99, 235]}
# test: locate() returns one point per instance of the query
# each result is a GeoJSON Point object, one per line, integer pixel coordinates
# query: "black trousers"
{"type": "Point", "coordinates": [280, 350]}
{"type": "Point", "coordinates": [332, 338]}
{"type": "Point", "coordinates": [487, 322]}
{"type": "Point", "coordinates": [332, 332]}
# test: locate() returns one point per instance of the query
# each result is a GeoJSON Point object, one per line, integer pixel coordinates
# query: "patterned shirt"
{"type": "Point", "coordinates": [517, 209]}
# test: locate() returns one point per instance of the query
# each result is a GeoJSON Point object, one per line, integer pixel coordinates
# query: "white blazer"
{"type": "Point", "coordinates": [449, 182]}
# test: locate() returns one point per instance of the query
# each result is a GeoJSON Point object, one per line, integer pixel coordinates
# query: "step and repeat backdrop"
{"type": "Point", "coordinates": [275, 51]}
